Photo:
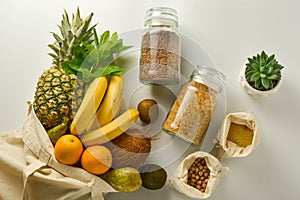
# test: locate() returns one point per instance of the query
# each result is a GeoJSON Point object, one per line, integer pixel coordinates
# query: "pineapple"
{"type": "Point", "coordinates": [263, 72]}
{"type": "Point", "coordinates": [58, 93]}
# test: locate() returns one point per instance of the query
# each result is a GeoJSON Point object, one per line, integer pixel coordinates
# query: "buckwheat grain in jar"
{"type": "Point", "coordinates": [196, 102]}
{"type": "Point", "coordinates": [160, 47]}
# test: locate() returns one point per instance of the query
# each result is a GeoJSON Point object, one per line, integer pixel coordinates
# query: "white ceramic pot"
{"type": "Point", "coordinates": [254, 92]}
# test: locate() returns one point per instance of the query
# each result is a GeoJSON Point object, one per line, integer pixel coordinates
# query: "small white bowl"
{"type": "Point", "coordinates": [252, 91]}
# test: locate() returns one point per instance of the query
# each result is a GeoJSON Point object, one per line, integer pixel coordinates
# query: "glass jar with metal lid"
{"type": "Point", "coordinates": [160, 47]}
{"type": "Point", "coordinates": [196, 102]}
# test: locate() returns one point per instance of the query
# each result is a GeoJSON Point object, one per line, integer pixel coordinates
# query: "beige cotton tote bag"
{"type": "Point", "coordinates": [29, 169]}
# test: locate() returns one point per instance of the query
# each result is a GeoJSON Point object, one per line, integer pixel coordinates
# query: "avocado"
{"type": "Point", "coordinates": [153, 176]}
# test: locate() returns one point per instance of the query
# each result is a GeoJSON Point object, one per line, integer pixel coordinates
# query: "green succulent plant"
{"type": "Point", "coordinates": [263, 72]}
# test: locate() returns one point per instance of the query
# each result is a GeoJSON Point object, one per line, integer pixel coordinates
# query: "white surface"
{"type": "Point", "coordinates": [230, 31]}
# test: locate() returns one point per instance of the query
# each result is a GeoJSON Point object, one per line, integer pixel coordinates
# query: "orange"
{"type": "Point", "coordinates": [68, 149]}
{"type": "Point", "coordinates": [96, 159]}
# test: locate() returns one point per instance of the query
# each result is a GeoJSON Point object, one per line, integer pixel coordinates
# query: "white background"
{"type": "Point", "coordinates": [229, 30]}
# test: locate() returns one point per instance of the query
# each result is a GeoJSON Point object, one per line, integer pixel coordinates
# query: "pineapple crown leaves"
{"type": "Point", "coordinates": [263, 71]}
{"type": "Point", "coordinates": [93, 60]}
{"type": "Point", "coordinates": [72, 33]}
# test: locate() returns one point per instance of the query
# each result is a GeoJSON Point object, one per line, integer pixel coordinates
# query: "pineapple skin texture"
{"type": "Point", "coordinates": [57, 97]}
{"type": "Point", "coordinates": [59, 94]}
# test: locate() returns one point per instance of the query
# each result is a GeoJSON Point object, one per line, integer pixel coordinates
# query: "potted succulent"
{"type": "Point", "coordinates": [261, 76]}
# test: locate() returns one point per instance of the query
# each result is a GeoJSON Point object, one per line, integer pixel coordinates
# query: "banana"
{"type": "Point", "coordinates": [111, 103]}
{"type": "Point", "coordinates": [90, 103]}
{"type": "Point", "coordinates": [112, 129]}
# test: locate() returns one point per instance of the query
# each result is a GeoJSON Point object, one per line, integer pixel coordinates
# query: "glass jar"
{"type": "Point", "coordinates": [196, 102]}
{"type": "Point", "coordinates": [160, 47]}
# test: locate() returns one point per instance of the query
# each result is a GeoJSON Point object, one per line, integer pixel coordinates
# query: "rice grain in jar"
{"type": "Point", "coordinates": [196, 102]}
{"type": "Point", "coordinates": [160, 48]}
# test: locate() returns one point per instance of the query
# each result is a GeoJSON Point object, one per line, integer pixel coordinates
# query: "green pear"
{"type": "Point", "coordinates": [125, 179]}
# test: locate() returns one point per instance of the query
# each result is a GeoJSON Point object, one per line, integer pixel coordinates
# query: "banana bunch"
{"type": "Point", "coordinates": [95, 121]}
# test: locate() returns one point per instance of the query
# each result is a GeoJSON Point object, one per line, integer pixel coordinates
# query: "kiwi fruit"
{"type": "Point", "coordinates": [148, 109]}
